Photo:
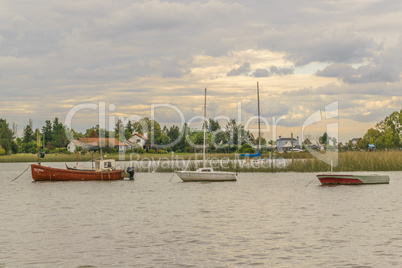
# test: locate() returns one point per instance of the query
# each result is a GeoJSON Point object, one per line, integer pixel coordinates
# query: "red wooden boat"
{"type": "Point", "coordinates": [104, 171]}
{"type": "Point", "coordinates": [333, 179]}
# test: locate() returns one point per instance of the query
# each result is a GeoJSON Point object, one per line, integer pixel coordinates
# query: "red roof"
{"type": "Point", "coordinates": [141, 136]}
{"type": "Point", "coordinates": [104, 141]}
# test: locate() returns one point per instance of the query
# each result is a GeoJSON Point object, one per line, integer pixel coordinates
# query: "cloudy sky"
{"type": "Point", "coordinates": [55, 55]}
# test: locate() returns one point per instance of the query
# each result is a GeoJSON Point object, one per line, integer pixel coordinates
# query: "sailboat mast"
{"type": "Point", "coordinates": [205, 123]}
{"type": "Point", "coordinates": [259, 127]}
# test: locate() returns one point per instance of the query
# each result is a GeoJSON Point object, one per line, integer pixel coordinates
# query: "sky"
{"type": "Point", "coordinates": [154, 58]}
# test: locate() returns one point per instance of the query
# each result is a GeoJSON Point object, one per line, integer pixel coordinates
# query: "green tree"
{"type": "Point", "coordinates": [119, 130]}
{"type": "Point", "coordinates": [59, 137]}
{"type": "Point", "coordinates": [236, 133]}
{"type": "Point", "coordinates": [163, 139]}
{"type": "Point", "coordinates": [146, 125]}
{"type": "Point", "coordinates": [386, 134]}
{"type": "Point", "coordinates": [324, 139]}
{"type": "Point", "coordinates": [246, 148]}
{"type": "Point", "coordinates": [6, 136]}
{"type": "Point", "coordinates": [196, 138]}
{"type": "Point", "coordinates": [47, 131]}
{"type": "Point", "coordinates": [363, 144]}
{"type": "Point", "coordinates": [213, 125]}
{"type": "Point", "coordinates": [173, 133]}
{"type": "Point", "coordinates": [372, 136]}
{"type": "Point", "coordinates": [182, 144]}
{"type": "Point", "coordinates": [391, 126]}
{"type": "Point", "coordinates": [128, 131]}
{"type": "Point", "coordinates": [28, 135]}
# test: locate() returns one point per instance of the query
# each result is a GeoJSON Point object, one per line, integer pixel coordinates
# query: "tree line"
{"type": "Point", "coordinates": [54, 136]}
{"type": "Point", "coordinates": [387, 134]}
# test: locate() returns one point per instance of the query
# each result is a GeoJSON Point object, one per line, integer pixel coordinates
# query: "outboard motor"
{"type": "Point", "coordinates": [131, 172]}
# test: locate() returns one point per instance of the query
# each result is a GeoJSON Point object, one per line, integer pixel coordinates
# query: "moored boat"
{"type": "Point", "coordinates": [334, 179]}
{"type": "Point", "coordinates": [206, 174]}
{"type": "Point", "coordinates": [104, 170]}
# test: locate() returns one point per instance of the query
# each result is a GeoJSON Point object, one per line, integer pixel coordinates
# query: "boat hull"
{"type": "Point", "coordinates": [43, 173]}
{"type": "Point", "coordinates": [334, 179]}
{"type": "Point", "coordinates": [191, 176]}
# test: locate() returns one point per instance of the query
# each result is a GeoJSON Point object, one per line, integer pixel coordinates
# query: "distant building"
{"type": "Point", "coordinates": [139, 139]}
{"type": "Point", "coordinates": [130, 145]}
{"type": "Point", "coordinates": [355, 141]}
{"type": "Point", "coordinates": [74, 144]}
{"type": "Point", "coordinates": [285, 144]}
{"type": "Point", "coordinates": [95, 143]}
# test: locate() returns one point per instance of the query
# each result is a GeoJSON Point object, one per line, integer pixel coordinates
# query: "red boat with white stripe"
{"type": "Point", "coordinates": [334, 179]}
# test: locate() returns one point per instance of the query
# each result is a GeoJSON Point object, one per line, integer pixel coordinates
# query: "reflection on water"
{"type": "Point", "coordinates": [267, 220]}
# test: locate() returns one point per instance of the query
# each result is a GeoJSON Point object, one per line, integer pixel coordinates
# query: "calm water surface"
{"type": "Point", "coordinates": [266, 220]}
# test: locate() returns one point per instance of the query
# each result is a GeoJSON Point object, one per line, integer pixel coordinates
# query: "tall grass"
{"type": "Point", "coordinates": [352, 161]}
{"type": "Point", "coordinates": [48, 158]}
{"type": "Point", "coordinates": [370, 161]}
{"type": "Point", "coordinates": [347, 161]}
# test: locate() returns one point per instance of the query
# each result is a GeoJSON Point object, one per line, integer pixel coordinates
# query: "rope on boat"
{"type": "Point", "coordinates": [310, 182]}
{"type": "Point", "coordinates": [172, 176]}
{"type": "Point", "coordinates": [21, 173]}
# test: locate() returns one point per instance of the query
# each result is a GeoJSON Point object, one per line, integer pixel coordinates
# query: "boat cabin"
{"type": "Point", "coordinates": [105, 165]}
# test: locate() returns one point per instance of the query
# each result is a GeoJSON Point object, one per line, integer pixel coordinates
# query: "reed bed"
{"type": "Point", "coordinates": [370, 161]}
{"type": "Point", "coordinates": [62, 157]}
{"type": "Point", "coordinates": [350, 161]}
{"type": "Point", "coordinates": [48, 158]}
{"type": "Point", "coordinates": [344, 161]}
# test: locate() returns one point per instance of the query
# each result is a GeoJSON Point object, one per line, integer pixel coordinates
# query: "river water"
{"type": "Point", "coordinates": [261, 220]}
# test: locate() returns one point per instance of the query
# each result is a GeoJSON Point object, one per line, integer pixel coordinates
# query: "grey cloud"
{"type": "Point", "coordinates": [385, 67]}
{"type": "Point", "coordinates": [261, 73]}
{"type": "Point", "coordinates": [244, 69]}
{"type": "Point", "coordinates": [281, 71]}
{"type": "Point", "coordinates": [344, 47]}
{"type": "Point", "coordinates": [315, 32]}
{"type": "Point", "coordinates": [338, 70]}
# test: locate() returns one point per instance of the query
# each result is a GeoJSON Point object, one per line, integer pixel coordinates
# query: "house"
{"type": "Point", "coordinates": [355, 141]}
{"type": "Point", "coordinates": [74, 144]}
{"type": "Point", "coordinates": [130, 145]}
{"type": "Point", "coordinates": [139, 139]}
{"type": "Point", "coordinates": [95, 143]}
{"type": "Point", "coordinates": [285, 144]}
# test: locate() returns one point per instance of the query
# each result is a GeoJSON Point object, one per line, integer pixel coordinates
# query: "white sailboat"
{"type": "Point", "coordinates": [206, 173]}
